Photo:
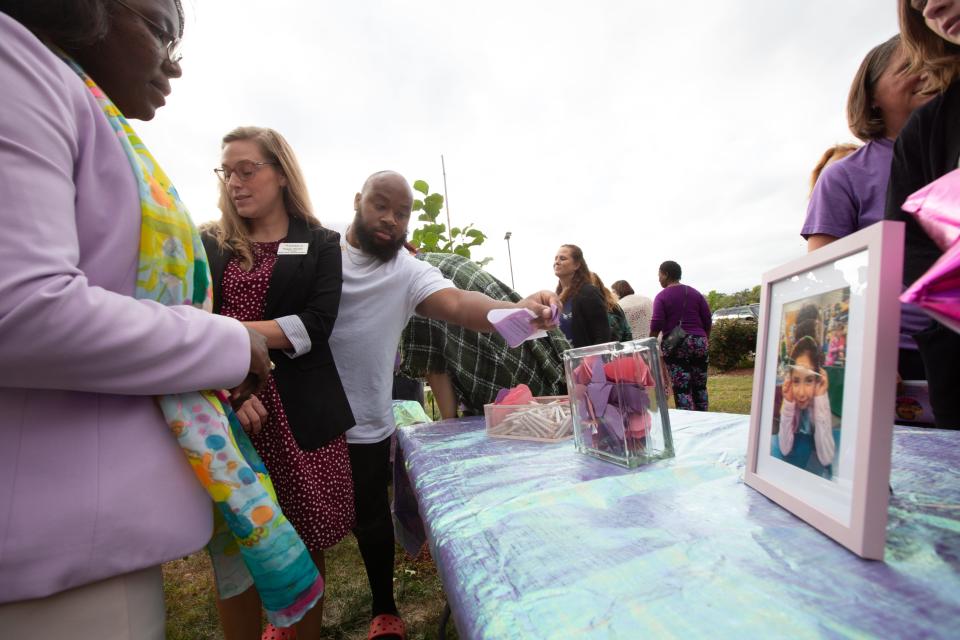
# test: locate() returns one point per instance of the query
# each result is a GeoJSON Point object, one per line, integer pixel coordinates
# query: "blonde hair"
{"type": "Point", "coordinates": [608, 296]}
{"type": "Point", "coordinates": [231, 231]}
{"type": "Point", "coordinates": [831, 155]}
{"type": "Point", "coordinates": [928, 52]}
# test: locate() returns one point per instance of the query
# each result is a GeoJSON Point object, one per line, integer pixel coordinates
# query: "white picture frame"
{"type": "Point", "coordinates": [832, 470]}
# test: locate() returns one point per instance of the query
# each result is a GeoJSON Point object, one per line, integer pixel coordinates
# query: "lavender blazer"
{"type": "Point", "coordinates": [92, 482]}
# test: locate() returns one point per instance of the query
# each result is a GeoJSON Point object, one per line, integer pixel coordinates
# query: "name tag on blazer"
{"type": "Point", "coordinates": [292, 249]}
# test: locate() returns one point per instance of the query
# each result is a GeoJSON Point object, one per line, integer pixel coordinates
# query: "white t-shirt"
{"type": "Point", "coordinates": [378, 299]}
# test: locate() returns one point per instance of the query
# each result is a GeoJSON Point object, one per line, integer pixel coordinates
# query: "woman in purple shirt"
{"type": "Point", "coordinates": [850, 193]}
{"type": "Point", "coordinates": [687, 363]}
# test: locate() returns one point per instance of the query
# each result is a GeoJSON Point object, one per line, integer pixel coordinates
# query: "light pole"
{"type": "Point", "coordinates": [510, 259]}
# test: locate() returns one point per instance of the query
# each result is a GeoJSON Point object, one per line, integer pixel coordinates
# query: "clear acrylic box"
{"type": "Point", "coordinates": [618, 402]}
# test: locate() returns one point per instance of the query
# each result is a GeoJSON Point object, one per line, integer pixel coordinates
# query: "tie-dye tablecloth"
{"type": "Point", "coordinates": [533, 540]}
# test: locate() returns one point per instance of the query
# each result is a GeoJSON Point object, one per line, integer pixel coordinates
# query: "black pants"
{"type": "Point", "coordinates": [910, 365]}
{"type": "Point", "coordinates": [940, 350]}
{"type": "Point", "coordinates": [370, 465]}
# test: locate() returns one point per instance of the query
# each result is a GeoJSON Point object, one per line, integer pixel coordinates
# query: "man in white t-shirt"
{"type": "Point", "coordinates": [383, 286]}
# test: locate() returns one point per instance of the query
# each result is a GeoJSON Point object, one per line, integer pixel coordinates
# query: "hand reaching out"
{"type": "Point", "coordinates": [260, 366]}
{"type": "Point", "coordinates": [539, 303]}
{"type": "Point", "coordinates": [253, 415]}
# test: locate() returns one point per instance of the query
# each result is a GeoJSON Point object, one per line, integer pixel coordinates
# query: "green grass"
{"type": "Point", "coordinates": [730, 393]}
{"type": "Point", "coordinates": [192, 614]}
{"type": "Point", "coordinates": [188, 583]}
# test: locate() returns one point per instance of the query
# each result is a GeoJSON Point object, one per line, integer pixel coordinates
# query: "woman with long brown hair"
{"type": "Point", "coordinates": [276, 269]}
{"type": "Point", "coordinates": [583, 318]}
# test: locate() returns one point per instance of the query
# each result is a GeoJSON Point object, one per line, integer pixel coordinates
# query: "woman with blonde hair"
{"type": "Point", "coordinates": [928, 148]}
{"type": "Point", "coordinates": [583, 318]}
{"type": "Point", "coordinates": [617, 319]}
{"type": "Point", "coordinates": [833, 153]}
{"type": "Point", "coordinates": [276, 269]}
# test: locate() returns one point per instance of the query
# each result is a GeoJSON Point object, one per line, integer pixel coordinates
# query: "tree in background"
{"type": "Point", "coordinates": [434, 237]}
{"type": "Point", "coordinates": [740, 298]}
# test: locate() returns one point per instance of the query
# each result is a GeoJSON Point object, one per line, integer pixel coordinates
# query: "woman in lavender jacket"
{"type": "Point", "coordinates": [681, 305]}
{"type": "Point", "coordinates": [95, 493]}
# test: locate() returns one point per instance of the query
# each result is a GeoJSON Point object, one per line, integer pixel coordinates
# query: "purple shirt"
{"type": "Point", "coordinates": [92, 481]}
{"type": "Point", "coordinates": [668, 305]}
{"type": "Point", "coordinates": [850, 195]}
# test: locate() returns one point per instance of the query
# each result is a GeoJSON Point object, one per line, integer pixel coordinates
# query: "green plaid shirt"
{"type": "Point", "coordinates": [480, 364]}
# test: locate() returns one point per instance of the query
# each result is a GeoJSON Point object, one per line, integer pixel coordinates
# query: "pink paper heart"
{"type": "Point", "coordinates": [937, 208]}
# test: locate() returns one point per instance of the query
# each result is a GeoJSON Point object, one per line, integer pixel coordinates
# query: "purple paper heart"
{"type": "Point", "coordinates": [631, 398]}
{"type": "Point", "coordinates": [597, 374]}
{"type": "Point", "coordinates": [515, 327]}
{"type": "Point", "coordinates": [599, 395]}
{"type": "Point", "coordinates": [614, 421]}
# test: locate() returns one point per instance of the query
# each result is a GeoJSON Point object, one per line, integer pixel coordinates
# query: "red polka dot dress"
{"type": "Point", "coordinates": [314, 488]}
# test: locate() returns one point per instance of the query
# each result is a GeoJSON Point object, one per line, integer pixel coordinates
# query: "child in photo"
{"type": "Point", "coordinates": [806, 438]}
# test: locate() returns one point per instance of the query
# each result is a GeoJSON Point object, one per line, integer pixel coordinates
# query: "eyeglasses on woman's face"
{"type": "Point", "coordinates": [169, 42]}
{"type": "Point", "coordinates": [245, 169]}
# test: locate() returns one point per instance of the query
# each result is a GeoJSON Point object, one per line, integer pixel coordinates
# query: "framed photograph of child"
{"type": "Point", "coordinates": [821, 424]}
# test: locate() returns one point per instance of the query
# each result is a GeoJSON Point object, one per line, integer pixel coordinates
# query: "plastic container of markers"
{"type": "Point", "coordinates": [545, 419]}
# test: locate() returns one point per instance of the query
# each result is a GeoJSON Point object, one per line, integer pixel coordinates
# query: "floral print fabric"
{"type": "Point", "coordinates": [258, 545]}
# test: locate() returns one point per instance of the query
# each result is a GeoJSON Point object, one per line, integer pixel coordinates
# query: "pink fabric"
{"type": "Point", "coordinates": [82, 358]}
{"type": "Point", "coordinates": [937, 208]}
{"type": "Point", "coordinates": [938, 290]}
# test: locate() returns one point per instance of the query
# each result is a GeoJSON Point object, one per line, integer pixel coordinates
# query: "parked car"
{"type": "Point", "coordinates": [745, 312]}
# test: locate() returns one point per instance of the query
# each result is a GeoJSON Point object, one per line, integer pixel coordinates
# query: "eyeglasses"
{"type": "Point", "coordinates": [168, 41]}
{"type": "Point", "coordinates": [245, 169]}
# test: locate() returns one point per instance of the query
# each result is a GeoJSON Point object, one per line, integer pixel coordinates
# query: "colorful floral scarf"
{"type": "Point", "coordinates": [253, 542]}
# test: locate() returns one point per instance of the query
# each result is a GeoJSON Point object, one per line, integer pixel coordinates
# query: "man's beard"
{"type": "Point", "coordinates": [370, 244]}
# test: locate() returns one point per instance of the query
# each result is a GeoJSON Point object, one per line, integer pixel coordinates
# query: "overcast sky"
{"type": "Point", "coordinates": [641, 131]}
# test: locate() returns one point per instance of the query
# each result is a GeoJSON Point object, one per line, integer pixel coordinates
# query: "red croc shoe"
{"type": "Point", "coordinates": [386, 625]}
{"type": "Point", "coordinates": [278, 633]}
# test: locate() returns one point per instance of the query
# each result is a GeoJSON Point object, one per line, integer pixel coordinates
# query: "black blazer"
{"type": "Point", "coordinates": [590, 323]}
{"type": "Point", "coordinates": [927, 148]}
{"type": "Point", "coordinates": [307, 286]}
